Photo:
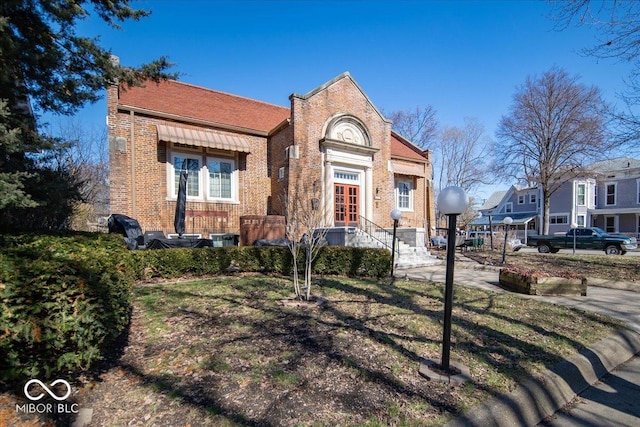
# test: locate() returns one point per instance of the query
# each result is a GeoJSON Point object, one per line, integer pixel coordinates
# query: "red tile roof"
{"type": "Point", "coordinates": [195, 102]}
{"type": "Point", "coordinates": [402, 148]}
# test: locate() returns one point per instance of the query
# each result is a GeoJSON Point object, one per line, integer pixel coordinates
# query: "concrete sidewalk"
{"type": "Point", "coordinates": [537, 400]}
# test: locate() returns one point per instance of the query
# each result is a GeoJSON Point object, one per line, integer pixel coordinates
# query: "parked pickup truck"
{"type": "Point", "coordinates": [585, 238]}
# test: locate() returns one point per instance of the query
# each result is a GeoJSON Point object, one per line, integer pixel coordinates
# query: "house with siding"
{"type": "Point", "coordinates": [605, 195]}
{"type": "Point", "coordinates": [616, 196]}
{"type": "Point", "coordinates": [246, 158]}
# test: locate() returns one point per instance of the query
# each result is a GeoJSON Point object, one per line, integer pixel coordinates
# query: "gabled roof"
{"type": "Point", "coordinates": [400, 147]}
{"type": "Point", "coordinates": [494, 200]}
{"type": "Point", "coordinates": [345, 75]}
{"type": "Point", "coordinates": [194, 102]}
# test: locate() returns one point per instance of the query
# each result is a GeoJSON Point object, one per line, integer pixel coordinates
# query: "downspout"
{"type": "Point", "coordinates": [133, 166]}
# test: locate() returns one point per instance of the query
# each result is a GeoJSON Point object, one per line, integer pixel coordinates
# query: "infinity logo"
{"type": "Point", "coordinates": [47, 389]}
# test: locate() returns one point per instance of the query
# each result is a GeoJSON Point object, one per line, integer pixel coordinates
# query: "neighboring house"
{"type": "Point", "coordinates": [606, 195]}
{"type": "Point", "coordinates": [521, 204]}
{"type": "Point", "coordinates": [616, 207]}
{"type": "Point", "coordinates": [332, 147]}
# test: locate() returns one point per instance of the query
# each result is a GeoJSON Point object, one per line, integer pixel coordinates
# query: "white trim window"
{"type": "Point", "coordinates": [611, 224]}
{"type": "Point", "coordinates": [404, 195]}
{"type": "Point", "coordinates": [581, 194]}
{"type": "Point", "coordinates": [533, 198]}
{"type": "Point", "coordinates": [221, 174]}
{"type": "Point", "coordinates": [521, 199]}
{"type": "Point", "coordinates": [191, 163]}
{"type": "Point", "coordinates": [611, 190]}
{"type": "Point", "coordinates": [638, 190]}
{"type": "Point", "coordinates": [210, 178]}
{"type": "Point", "coordinates": [581, 220]}
{"type": "Point", "coordinates": [507, 208]}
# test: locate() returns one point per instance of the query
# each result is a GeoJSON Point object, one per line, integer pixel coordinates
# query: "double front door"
{"type": "Point", "coordinates": [346, 204]}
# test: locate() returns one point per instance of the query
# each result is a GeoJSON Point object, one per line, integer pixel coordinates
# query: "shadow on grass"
{"type": "Point", "coordinates": [331, 340]}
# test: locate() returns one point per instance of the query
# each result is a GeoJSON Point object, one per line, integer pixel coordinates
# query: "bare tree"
{"type": "Point", "coordinates": [83, 152]}
{"type": "Point", "coordinates": [418, 126]}
{"type": "Point", "coordinates": [461, 156]}
{"type": "Point", "coordinates": [304, 231]}
{"type": "Point", "coordinates": [617, 26]}
{"type": "Point", "coordinates": [553, 127]}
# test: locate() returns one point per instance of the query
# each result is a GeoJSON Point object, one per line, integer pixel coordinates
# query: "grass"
{"type": "Point", "coordinates": [225, 351]}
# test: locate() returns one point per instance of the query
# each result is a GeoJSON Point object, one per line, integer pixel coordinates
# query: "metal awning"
{"type": "Point", "coordinates": [518, 219]}
{"type": "Point", "coordinates": [203, 138]}
{"type": "Point", "coordinates": [405, 169]}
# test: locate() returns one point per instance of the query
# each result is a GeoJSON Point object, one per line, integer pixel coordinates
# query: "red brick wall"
{"type": "Point", "coordinates": [146, 183]}
{"type": "Point", "coordinates": [260, 190]}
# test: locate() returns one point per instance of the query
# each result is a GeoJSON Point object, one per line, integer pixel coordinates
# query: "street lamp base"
{"type": "Point", "coordinates": [457, 374]}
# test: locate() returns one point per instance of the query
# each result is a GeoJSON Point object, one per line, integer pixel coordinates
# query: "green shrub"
{"type": "Point", "coordinates": [331, 260]}
{"type": "Point", "coordinates": [63, 300]}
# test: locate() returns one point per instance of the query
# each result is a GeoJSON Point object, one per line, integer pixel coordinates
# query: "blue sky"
{"type": "Point", "coordinates": [465, 58]}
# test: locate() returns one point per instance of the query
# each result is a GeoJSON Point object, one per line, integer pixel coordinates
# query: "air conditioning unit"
{"type": "Point", "coordinates": [292, 151]}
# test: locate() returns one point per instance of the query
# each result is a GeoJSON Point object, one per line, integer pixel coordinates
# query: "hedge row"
{"type": "Point", "coordinates": [331, 260]}
{"type": "Point", "coordinates": [64, 299]}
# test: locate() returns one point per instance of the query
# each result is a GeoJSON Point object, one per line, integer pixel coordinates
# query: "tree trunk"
{"type": "Point", "coordinates": [545, 211]}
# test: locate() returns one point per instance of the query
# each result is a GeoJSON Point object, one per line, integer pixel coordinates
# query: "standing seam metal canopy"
{"type": "Point", "coordinates": [202, 138]}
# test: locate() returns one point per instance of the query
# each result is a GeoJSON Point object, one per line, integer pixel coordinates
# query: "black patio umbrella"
{"type": "Point", "coordinates": [181, 203]}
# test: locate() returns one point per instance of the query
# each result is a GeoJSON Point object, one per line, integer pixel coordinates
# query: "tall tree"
{"type": "Point", "coordinates": [461, 156]}
{"type": "Point", "coordinates": [617, 26]}
{"type": "Point", "coordinates": [418, 126]}
{"type": "Point", "coordinates": [45, 66]}
{"type": "Point", "coordinates": [553, 127]}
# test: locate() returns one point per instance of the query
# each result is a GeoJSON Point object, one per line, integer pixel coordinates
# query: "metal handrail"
{"type": "Point", "coordinates": [370, 228]}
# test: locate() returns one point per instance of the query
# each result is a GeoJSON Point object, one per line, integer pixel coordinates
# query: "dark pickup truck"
{"type": "Point", "coordinates": [585, 238]}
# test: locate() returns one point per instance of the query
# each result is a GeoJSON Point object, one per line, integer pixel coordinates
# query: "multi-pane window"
{"type": "Point", "coordinates": [208, 178]}
{"type": "Point", "coordinates": [532, 198]}
{"type": "Point", "coordinates": [611, 194]}
{"type": "Point", "coordinates": [404, 194]}
{"type": "Point", "coordinates": [521, 199]}
{"type": "Point", "coordinates": [558, 219]}
{"type": "Point", "coordinates": [220, 180]}
{"type": "Point", "coordinates": [192, 166]}
{"type": "Point", "coordinates": [582, 194]}
{"type": "Point", "coordinates": [581, 220]}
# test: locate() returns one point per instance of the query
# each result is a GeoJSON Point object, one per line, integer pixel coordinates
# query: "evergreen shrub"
{"type": "Point", "coordinates": [63, 300]}
{"type": "Point", "coordinates": [331, 260]}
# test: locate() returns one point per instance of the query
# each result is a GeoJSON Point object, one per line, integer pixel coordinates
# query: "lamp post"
{"type": "Point", "coordinates": [452, 201]}
{"type": "Point", "coordinates": [573, 227]}
{"type": "Point", "coordinates": [507, 222]}
{"type": "Point", "coordinates": [395, 216]}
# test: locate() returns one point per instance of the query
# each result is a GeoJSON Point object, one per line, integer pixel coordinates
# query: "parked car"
{"type": "Point", "coordinates": [585, 238]}
{"type": "Point", "coordinates": [439, 241]}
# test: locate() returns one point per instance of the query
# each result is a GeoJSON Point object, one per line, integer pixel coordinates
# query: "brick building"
{"type": "Point", "coordinates": [244, 156]}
